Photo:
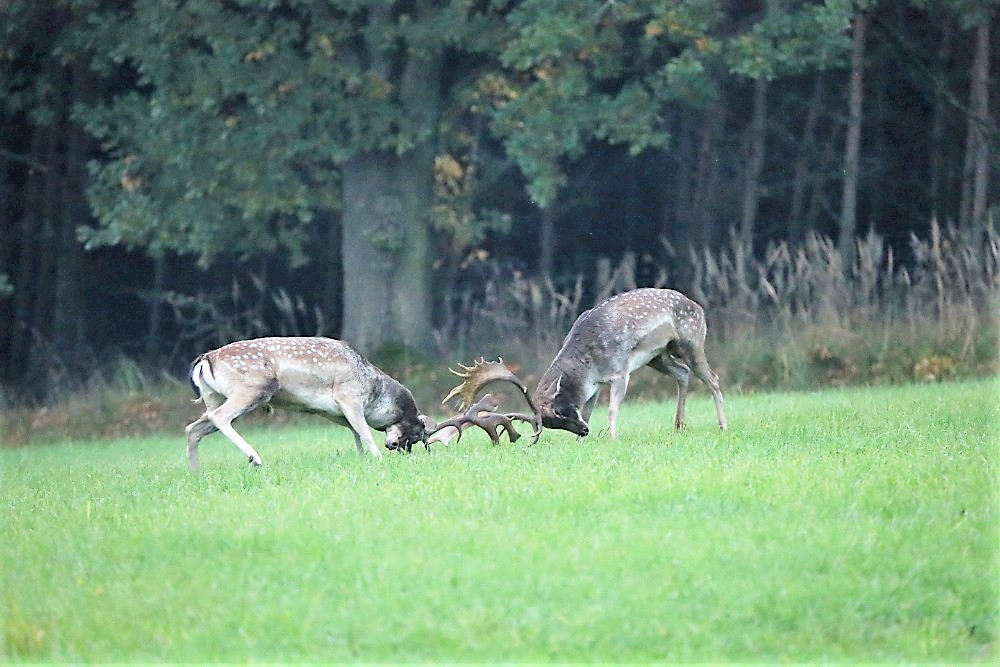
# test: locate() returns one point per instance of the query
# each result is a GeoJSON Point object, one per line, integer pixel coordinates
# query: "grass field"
{"type": "Point", "coordinates": [853, 525]}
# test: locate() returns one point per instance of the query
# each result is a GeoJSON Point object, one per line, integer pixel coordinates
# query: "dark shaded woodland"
{"type": "Point", "coordinates": [176, 175]}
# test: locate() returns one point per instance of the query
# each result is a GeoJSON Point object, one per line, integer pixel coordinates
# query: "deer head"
{"type": "Point", "coordinates": [559, 405]}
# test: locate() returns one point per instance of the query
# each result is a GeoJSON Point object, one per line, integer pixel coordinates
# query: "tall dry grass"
{"type": "Point", "coordinates": [799, 317]}
{"type": "Point", "coordinates": [795, 317]}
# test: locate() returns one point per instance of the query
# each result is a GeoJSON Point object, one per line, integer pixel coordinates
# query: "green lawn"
{"type": "Point", "coordinates": [854, 525]}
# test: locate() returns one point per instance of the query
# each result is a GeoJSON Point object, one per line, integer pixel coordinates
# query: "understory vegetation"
{"type": "Point", "coordinates": [851, 525]}
{"type": "Point", "coordinates": [796, 319]}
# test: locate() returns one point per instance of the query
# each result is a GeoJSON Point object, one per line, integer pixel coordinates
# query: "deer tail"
{"type": "Point", "coordinates": [194, 366]}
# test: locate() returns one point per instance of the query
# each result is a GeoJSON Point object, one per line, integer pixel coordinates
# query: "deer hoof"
{"type": "Point", "coordinates": [254, 461]}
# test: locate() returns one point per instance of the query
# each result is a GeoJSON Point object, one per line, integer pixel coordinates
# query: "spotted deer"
{"type": "Point", "coordinates": [659, 328]}
{"type": "Point", "coordinates": [316, 375]}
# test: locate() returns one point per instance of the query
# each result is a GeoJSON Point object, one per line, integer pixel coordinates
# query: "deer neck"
{"type": "Point", "coordinates": [390, 403]}
{"type": "Point", "coordinates": [571, 378]}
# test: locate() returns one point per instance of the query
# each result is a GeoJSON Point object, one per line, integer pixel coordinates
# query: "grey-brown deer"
{"type": "Point", "coordinates": [660, 328]}
{"type": "Point", "coordinates": [317, 375]}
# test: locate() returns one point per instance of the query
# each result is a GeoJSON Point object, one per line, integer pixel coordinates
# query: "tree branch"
{"type": "Point", "coordinates": [24, 159]}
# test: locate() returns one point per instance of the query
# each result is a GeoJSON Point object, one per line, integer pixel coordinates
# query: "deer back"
{"type": "Point", "coordinates": [623, 333]}
{"type": "Point", "coordinates": [301, 365]}
{"type": "Point", "coordinates": [306, 374]}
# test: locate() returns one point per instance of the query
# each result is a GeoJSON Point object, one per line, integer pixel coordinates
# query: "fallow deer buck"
{"type": "Point", "coordinates": [660, 328]}
{"type": "Point", "coordinates": [316, 375]}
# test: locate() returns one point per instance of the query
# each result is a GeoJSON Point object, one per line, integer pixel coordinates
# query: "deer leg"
{"type": "Point", "coordinates": [356, 419]}
{"type": "Point", "coordinates": [195, 431]}
{"type": "Point", "coordinates": [711, 380]}
{"type": "Point", "coordinates": [669, 365]}
{"type": "Point", "coordinates": [588, 407]}
{"type": "Point", "coordinates": [357, 442]}
{"type": "Point", "coordinates": [201, 427]}
{"type": "Point", "coordinates": [222, 418]}
{"type": "Point", "coordinates": [618, 388]}
{"type": "Point", "coordinates": [236, 406]}
{"type": "Point", "coordinates": [339, 420]}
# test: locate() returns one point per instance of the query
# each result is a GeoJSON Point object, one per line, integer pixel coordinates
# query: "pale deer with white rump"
{"type": "Point", "coordinates": [316, 375]}
{"type": "Point", "coordinates": [660, 328]}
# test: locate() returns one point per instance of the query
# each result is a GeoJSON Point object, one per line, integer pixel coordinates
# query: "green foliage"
{"type": "Point", "coordinates": [241, 117]}
{"type": "Point", "coordinates": [609, 73]}
{"type": "Point", "coordinates": [244, 113]}
{"type": "Point", "coordinates": [841, 526]}
{"type": "Point", "coordinates": [234, 118]}
{"type": "Point", "coordinates": [813, 37]}
{"type": "Point", "coordinates": [23, 89]}
{"type": "Point", "coordinates": [969, 12]}
{"type": "Point", "coordinates": [217, 150]}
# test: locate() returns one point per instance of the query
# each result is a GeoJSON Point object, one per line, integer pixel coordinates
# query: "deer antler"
{"type": "Point", "coordinates": [478, 376]}
{"type": "Point", "coordinates": [481, 414]}
{"type": "Point", "coordinates": [484, 415]}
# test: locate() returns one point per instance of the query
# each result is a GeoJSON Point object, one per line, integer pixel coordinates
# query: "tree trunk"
{"type": "Point", "coordinates": [40, 366]}
{"type": "Point", "coordinates": [975, 174]}
{"type": "Point", "coordinates": [821, 210]}
{"type": "Point", "coordinates": [413, 296]}
{"type": "Point", "coordinates": [798, 225]}
{"type": "Point", "coordinates": [333, 279]}
{"type": "Point", "coordinates": [387, 198]}
{"type": "Point", "coordinates": [680, 164]}
{"type": "Point", "coordinates": [852, 142]}
{"type": "Point", "coordinates": [705, 194]}
{"type": "Point", "coordinates": [68, 334]}
{"type": "Point", "coordinates": [938, 145]}
{"type": "Point", "coordinates": [755, 162]}
{"type": "Point", "coordinates": [27, 258]}
{"type": "Point", "coordinates": [373, 240]}
{"type": "Point", "coordinates": [6, 227]}
{"type": "Point", "coordinates": [546, 239]}
{"type": "Point", "coordinates": [386, 253]}
{"type": "Point", "coordinates": [8, 238]}
{"type": "Point", "coordinates": [420, 94]}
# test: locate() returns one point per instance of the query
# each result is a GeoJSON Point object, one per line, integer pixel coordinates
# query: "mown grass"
{"type": "Point", "coordinates": [851, 525]}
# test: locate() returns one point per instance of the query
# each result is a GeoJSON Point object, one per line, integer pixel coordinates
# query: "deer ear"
{"type": "Point", "coordinates": [429, 424]}
{"type": "Point", "coordinates": [553, 389]}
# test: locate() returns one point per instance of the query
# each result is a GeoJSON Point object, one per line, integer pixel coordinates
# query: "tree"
{"type": "Point", "coordinates": [968, 173]}
{"type": "Point", "coordinates": [246, 119]}
{"type": "Point", "coordinates": [804, 161]}
{"type": "Point", "coordinates": [976, 173]}
{"type": "Point", "coordinates": [852, 142]}
{"type": "Point", "coordinates": [44, 320]}
{"type": "Point", "coordinates": [617, 73]}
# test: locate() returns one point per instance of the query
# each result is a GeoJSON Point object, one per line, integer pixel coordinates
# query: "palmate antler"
{"type": "Point", "coordinates": [483, 414]}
